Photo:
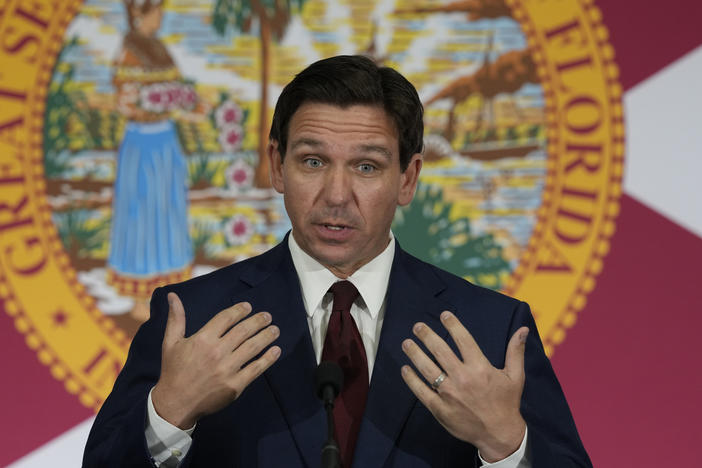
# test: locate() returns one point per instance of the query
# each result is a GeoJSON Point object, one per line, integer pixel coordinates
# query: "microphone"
{"type": "Point", "coordinates": [328, 381]}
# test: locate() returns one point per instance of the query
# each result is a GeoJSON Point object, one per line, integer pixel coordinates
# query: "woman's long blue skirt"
{"type": "Point", "coordinates": [149, 234]}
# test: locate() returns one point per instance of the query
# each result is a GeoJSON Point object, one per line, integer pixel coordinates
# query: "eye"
{"type": "Point", "coordinates": [366, 168]}
{"type": "Point", "coordinates": [313, 163]}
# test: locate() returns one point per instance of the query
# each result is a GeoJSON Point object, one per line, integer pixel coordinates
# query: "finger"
{"type": "Point", "coordinates": [253, 346]}
{"type": "Point", "coordinates": [429, 370]}
{"type": "Point", "coordinates": [225, 319]}
{"type": "Point", "coordinates": [514, 358]}
{"type": "Point", "coordinates": [245, 329]}
{"type": "Point", "coordinates": [469, 349]}
{"type": "Point", "coordinates": [426, 395]}
{"type": "Point", "coordinates": [258, 367]}
{"type": "Point", "coordinates": [175, 323]}
{"type": "Point", "coordinates": [446, 358]}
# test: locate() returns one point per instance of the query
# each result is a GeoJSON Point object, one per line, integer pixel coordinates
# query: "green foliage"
{"type": "Point", "coordinates": [230, 13]}
{"type": "Point", "coordinates": [512, 134]}
{"type": "Point", "coordinates": [80, 232]}
{"type": "Point", "coordinates": [56, 164]}
{"type": "Point", "coordinates": [491, 134]}
{"type": "Point", "coordinates": [468, 138]}
{"type": "Point", "coordinates": [189, 137]}
{"type": "Point", "coordinates": [62, 104]}
{"type": "Point", "coordinates": [239, 13]}
{"type": "Point", "coordinates": [423, 228]}
{"type": "Point", "coordinates": [69, 123]}
{"type": "Point", "coordinates": [201, 170]}
{"type": "Point", "coordinates": [201, 234]}
{"type": "Point", "coordinates": [102, 128]}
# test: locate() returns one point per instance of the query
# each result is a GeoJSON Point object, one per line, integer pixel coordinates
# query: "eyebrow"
{"type": "Point", "coordinates": [382, 150]}
{"type": "Point", "coordinates": [306, 142]}
{"type": "Point", "coordinates": [376, 149]}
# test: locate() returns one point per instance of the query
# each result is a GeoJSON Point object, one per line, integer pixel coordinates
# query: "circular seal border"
{"type": "Point", "coordinates": [594, 264]}
{"type": "Point", "coordinates": [34, 162]}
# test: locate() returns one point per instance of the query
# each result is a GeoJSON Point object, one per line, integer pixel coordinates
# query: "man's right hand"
{"type": "Point", "coordinates": [203, 373]}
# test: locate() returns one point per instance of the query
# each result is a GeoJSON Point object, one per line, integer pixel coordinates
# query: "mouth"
{"type": "Point", "coordinates": [334, 232]}
{"type": "Point", "coordinates": [335, 227]}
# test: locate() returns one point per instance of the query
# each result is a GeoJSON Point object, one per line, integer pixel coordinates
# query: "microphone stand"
{"type": "Point", "coordinates": [329, 381]}
{"type": "Point", "coordinates": [330, 450]}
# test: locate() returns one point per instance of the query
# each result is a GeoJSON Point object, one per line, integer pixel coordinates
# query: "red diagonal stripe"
{"type": "Point", "coordinates": [630, 365]}
{"type": "Point", "coordinates": [647, 36]}
{"type": "Point", "coordinates": [35, 407]}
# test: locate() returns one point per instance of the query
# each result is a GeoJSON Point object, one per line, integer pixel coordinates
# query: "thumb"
{"type": "Point", "coordinates": [514, 359]}
{"type": "Point", "coordinates": [175, 325]}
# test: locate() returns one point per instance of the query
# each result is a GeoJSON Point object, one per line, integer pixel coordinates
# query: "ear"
{"type": "Point", "coordinates": [276, 164]}
{"type": "Point", "coordinates": [408, 180]}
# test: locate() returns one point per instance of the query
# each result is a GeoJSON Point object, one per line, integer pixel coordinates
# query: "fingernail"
{"type": "Point", "coordinates": [418, 327]}
{"type": "Point", "coordinates": [445, 315]}
{"type": "Point", "coordinates": [275, 331]}
{"type": "Point", "coordinates": [405, 370]}
{"type": "Point", "coordinates": [276, 351]}
{"type": "Point", "coordinates": [266, 317]}
{"type": "Point", "coordinates": [406, 344]}
{"type": "Point", "coordinates": [523, 336]}
{"type": "Point", "coordinates": [246, 306]}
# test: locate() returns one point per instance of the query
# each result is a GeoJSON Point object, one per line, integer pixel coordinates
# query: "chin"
{"type": "Point", "coordinates": [332, 256]}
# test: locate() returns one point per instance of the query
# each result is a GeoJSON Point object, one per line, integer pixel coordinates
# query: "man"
{"type": "Point", "coordinates": [205, 386]}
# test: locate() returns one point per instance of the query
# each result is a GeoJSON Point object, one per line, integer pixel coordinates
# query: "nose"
{"type": "Point", "coordinates": [337, 187]}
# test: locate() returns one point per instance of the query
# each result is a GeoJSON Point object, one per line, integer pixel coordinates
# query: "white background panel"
{"type": "Point", "coordinates": [663, 163]}
{"type": "Point", "coordinates": [65, 450]}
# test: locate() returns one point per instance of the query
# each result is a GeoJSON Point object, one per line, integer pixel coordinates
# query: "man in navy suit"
{"type": "Point", "coordinates": [457, 373]}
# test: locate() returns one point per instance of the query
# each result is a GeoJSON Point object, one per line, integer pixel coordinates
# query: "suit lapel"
{"type": "Point", "coordinates": [275, 288]}
{"type": "Point", "coordinates": [411, 298]}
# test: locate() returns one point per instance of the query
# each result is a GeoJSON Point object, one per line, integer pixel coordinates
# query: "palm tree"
{"type": "Point", "coordinates": [273, 18]}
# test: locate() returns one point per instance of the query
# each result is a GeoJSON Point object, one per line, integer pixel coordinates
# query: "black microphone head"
{"type": "Point", "coordinates": [329, 374]}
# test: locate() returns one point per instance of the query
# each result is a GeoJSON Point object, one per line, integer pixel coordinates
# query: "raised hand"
{"type": "Point", "coordinates": [475, 402]}
{"type": "Point", "coordinates": [203, 373]}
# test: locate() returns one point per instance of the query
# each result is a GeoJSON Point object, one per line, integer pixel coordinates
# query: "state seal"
{"type": "Point", "coordinates": [112, 135]}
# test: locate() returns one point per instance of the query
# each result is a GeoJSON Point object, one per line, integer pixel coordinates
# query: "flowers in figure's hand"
{"type": "Point", "coordinates": [188, 97]}
{"type": "Point", "coordinates": [166, 97]}
{"type": "Point", "coordinates": [154, 97]}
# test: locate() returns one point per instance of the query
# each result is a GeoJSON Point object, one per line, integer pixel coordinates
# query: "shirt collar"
{"type": "Point", "coordinates": [371, 279]}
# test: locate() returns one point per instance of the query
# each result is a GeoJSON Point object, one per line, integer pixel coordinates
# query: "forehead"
{"type": "Point", "coordinates": [335, 124]}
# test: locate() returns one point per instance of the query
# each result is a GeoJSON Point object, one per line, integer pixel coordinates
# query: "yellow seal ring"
{"type": "Point", "coordinates": [585, 133]}
{"type": "Point", "coordinates": [38, 287]}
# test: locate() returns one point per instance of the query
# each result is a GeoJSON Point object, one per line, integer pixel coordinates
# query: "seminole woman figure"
{"type": "Point", "coordinates": [149, 244]}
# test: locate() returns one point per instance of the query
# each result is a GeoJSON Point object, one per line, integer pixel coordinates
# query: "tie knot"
{"type": "Point", "coordinates": [344, 294]}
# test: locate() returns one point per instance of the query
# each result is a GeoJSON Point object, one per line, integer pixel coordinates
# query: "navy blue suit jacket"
{"type": "Point", "coordinates": [279, 422]}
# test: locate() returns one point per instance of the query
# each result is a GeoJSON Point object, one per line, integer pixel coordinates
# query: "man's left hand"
{"type": "Point", "coordinates": [476, 402]}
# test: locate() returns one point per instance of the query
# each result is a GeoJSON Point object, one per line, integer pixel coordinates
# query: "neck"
{"type": "Point", "coordinates": [342, 271]}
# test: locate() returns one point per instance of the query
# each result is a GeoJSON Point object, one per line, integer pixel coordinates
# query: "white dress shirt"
{"type": "Point", "coordinates": [168, 444]}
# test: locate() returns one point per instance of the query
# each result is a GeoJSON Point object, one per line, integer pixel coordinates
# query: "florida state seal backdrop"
{"type": "Point", "coordinates": [562, 163]}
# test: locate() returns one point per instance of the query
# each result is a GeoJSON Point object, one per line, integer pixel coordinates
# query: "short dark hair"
{"type": "Point", "coordinates": [347, 80]}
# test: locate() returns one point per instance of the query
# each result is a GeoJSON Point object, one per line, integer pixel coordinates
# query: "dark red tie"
{"type": "Point", "coordinates": [344, 346]}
